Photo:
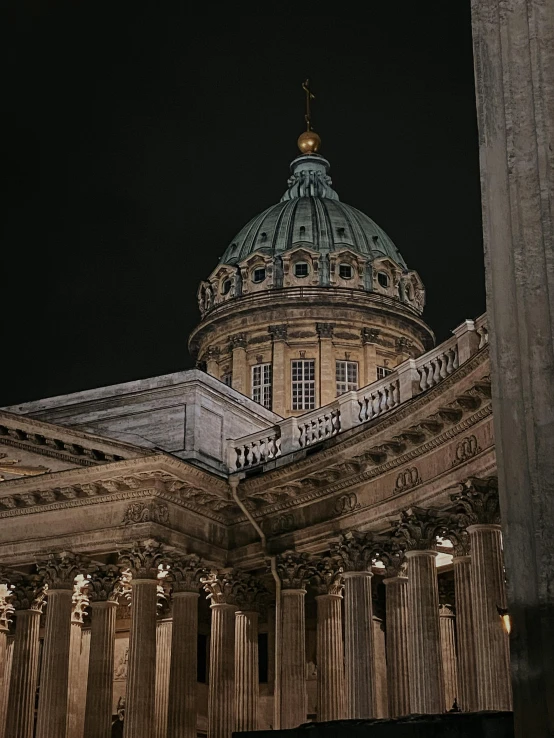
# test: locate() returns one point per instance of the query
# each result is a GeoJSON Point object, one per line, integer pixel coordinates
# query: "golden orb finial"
{"type": "Point", "coordinates": [309, 142]}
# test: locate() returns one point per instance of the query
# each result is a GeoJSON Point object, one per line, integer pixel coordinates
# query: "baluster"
{"type": "Point", "coordinates": [455, 361]}
{"type": "Point", "coordinates": [383, 403]}
{"type": "Point", "coordinates": [450, 361]}
{"type": "Point", "coordinates": [362, 415]}
{"type": "Point", "coordinates": [375, 400]}
{"type": "Point", "coordinates": [278, 447]}
{"type": "Point", "coordinates": [238, 463]}
{"type": "Point", "coordinates": [301, 436]}
{"type": "Point", "coordinates": [430, 372]}
{"type": "Point", "coordinates": [444, 363]}
{"type": "Point", "coordinates": [390, 399]}
{"type": "Point", "coordinates": [436, 370]}
{"type": "Point", "coordinates": [395, 390]}
{"type": "Point", "coordinates": [423, 380]}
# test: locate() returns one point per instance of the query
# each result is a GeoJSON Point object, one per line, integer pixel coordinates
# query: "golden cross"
{"type": "Point", "coordinates": [309, 96]}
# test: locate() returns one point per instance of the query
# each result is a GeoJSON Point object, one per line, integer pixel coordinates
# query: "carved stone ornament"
{"type": "Point", "coordinates": [418, 528]}
{"type": "Point", "coordinates": [185, 573]}
{"type": "Point", "coordinates": [466, 449]}
{"type": "Point", "coordinates": [144, 559]}
{"type": "Point", "coordinates": [221, 586]}
{"type": "Point", "coordinates": [478, 502]}
{"type": "Point", "coordinates": [455, 530]}
{"type": "Point", "coordinates": [146, 512]}
{"type": "Point", "coordinates": [370, 335]}
{"type": "Point", "coordinates": [355, 550]}
{"type": "Point", "coordinates": [105, 583]}
{"type": "Point", "coordinates": [278, 332]}
{"type": "Point", "coordinates": [28, 593]}
{"type": "Point", "coordinates": [238, 341]}
{"type": "Point", "coordinates": [251, 594]}
{"type": "Point", "coordinates": [60, 569]}
{"type": "Point", "coordinates": [6, 606]}
{"type": "Point", "coordinates": [391, 554]}
{"type": "Point", "coordinates": [346, 503]}
{"type": "Point", "coordinates": [327, 578]}
{"type": "Point", "coordinates": [325, 330]}
{"type": "Point", "coordinates": [294, 569]}
{"type": "Point", "coordinates": [407, 479]}
{"type": "Point", "coordinates": [80, 599]}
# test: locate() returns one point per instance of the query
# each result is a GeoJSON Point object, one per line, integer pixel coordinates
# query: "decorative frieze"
{"type": "Point", "coordinates": [238, 341]}
{"type": "Point", "coordinates": [325, 330]}
{"type": "Point", "coordinates": [278, 332]}
{"type": "Point", "coordinates": [146, 512]}
{"type": "Point", "coordinates": [370, 335]}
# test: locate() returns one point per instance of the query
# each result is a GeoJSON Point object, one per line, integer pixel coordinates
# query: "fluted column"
{"type": "Point", "coordinates": [6, 611]}
{"type": "Point", "coordinates": [163, 664]}
{"type": "Point", "coordinates": [105, 586]}
{"type": "Point", "coordinates": [7, 676]}
{"type": "Point", "coordinates": [220, 587]}
{"type": "Point", "coordinates": [76, 692]}
{"type": "Point", "coordinates": [143, 561]}
{"type": "Point", "coordinates": [185, 574]}
{"type": "Point", "coordinates": [449, 661]}
{"type": "Point", "coordinates": [418, 529]}
{"type": "Point", "coordinates": [294, 571]}
{"type": "Point", "coordinates": [59, 572]}
{"type": "Point", "coordinates": [28, 601]}
{"type": "Point", "coordinates": [355, 552]}
{"type": "Point", "coordinates": [246, 670]}
{"type": "Point", "coordinates": [476, 506]}
{"type": "Point", "coordinates": [491, 641]}
{"type": "Point", "coordinates": [330, 652]}
{"type": "Point", "coordinates": [397, 645]}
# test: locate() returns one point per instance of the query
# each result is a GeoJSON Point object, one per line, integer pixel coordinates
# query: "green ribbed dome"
{"type": "Point", "coordinates": [311, 214]}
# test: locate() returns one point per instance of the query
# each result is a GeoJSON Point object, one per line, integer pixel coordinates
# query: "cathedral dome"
{"type": "Point", "coordinates": [310, 214]}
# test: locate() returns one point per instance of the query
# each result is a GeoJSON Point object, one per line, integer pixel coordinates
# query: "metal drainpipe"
{"type": "Point", "coordinates": [234, 484]}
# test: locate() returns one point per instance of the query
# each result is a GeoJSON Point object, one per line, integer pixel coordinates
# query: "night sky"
{"type": "Point", "coordinates": [138, 143]}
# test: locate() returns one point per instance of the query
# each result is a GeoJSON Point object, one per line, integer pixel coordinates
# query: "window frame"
{"type": "Point", "coordinates": [387, 277]}
{"type": "Point", "coordinates": [258, 269]}
{"type": "Point", "coordinates": [344, 383]}
{"type": "Point", "coordinates": [383, 371]}
{"type": "Point", "coordinates": [303, 386]}
{"type": "Point", "coordinates": [261, 388]}
{"type": "Point", "coordinates": [301, 264]}
{"type": "Point", "coordinates": [350, 267]}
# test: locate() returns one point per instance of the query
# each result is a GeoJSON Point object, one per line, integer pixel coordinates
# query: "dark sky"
{"type": "Point", "coordinates": [138, 142]}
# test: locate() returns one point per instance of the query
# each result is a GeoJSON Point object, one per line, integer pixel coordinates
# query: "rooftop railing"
{"type": "Point", "coordinates": [354, 408]}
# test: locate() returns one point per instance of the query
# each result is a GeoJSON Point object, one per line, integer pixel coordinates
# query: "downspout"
{"type": "Point", "coordinates": [234, 484]}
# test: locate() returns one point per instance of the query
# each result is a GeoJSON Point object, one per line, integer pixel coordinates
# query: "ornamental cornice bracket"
{"type": "Point", "coordinates": [144, 558]}
{"type": "Point", "coordinates": [60, 569]}
{"type": "Point", "coordinates": [295, 569]}
{"type": "Point", "coordinates": [186, 572]}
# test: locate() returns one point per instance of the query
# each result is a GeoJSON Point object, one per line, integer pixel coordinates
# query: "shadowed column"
{"type": "Point", "coordinates": [330, 652]}
{"type": "Point", "coordinates": [105, 585]}
{"type": "Point", "coordinates": [6, 611]}
{"type": "Point", "coordinates": [143, 561]}
{"type": "Point", "coordinates": [396, 603]}
{"type": "Point", "coordinates": [477, 507]}
{"type": "Point", "coordinates": [184, 574]}
{"type": "Point", "coordinates": [29, 597]}
{"type": "Point", "coordinates": [418, 529]}
{"type": "Point", "coordinates": [355, 552]}
{"type": "Point", "coordinates": [294, 570]}
{"type": "Point", "coordinates": [59, 572]}
{"type": "Point", "coordinates": [76, 693]}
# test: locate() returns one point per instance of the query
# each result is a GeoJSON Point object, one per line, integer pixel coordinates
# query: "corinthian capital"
{"type": "Point", "coordinates": [80, 600]}
{"type": "Point", "coordinates": [251, 593]}
{"type": "Point", "coordinates": [185, 573]}
{"type": "Point", "coordinates": [222, 587]}
{"type": "Point", "coordinates": [356, 550]}
{"type": "Point", "coordinates": [418, 528]}
{"type": "Point", "coordinates": [327, 577]}
{"type": "Point", "coordinates": [106, 583]}
{"type": "Point", "coordinates": [60, 569]}
{"type": "Point", "coordinates": [29, 593]}
{"type": "Point", "coordinates": [391, 555]}
{"type": "Point", "coordinates": [477, 503]}
{"type": "Point", "coordinates": [144, 559]}
{"type": "Point", "coordinates": [294, 569]}
{"type": "Point", "coordinates": [455, 530]}
{"type": "Point", "coordinates": [6, 606]}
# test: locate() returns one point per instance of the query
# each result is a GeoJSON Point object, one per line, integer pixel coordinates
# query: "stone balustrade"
{"type": "Point", "coordinates": [411, 378]}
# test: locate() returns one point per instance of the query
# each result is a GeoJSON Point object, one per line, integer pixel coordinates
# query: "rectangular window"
{"type": "Point", "coordinates": [303, 384]}
{"type": "Point", "coordinates": [346, 373]}
{"type": "Point", "coordinates": [261, 384]}
{"type": "Point", "coordinates": [227, 379]}
{"type": "Point", "coordinates": [382, 372]}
